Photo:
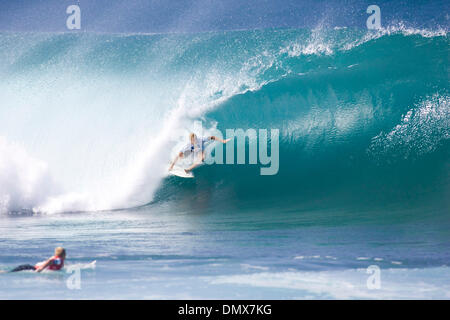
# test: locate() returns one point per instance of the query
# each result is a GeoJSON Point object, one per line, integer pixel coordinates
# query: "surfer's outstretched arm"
{"type": "Point", "coordinates": [180, 155]}
{"type": "Point", "coordinates": [218, 139]}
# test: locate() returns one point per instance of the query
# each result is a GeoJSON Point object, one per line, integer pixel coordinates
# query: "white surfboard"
{"type": "Point", "coordinates": [179, 172]}
{"type": "Point", "coordinates": [82, 266]}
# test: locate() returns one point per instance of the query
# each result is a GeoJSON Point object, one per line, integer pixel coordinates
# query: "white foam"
{"type": "Point", "coordinates": [248, 266]}
{"type": "Point", "coordinates": [24, 180]}
{"type": "Point", "coordinates": [352, 283]}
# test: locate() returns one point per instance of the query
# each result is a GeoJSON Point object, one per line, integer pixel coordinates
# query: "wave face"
{"type": "Point", "coordinates": [363, 117]}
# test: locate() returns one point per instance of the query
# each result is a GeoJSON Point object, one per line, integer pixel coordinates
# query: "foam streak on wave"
{"type": "Point", "coordinates": [420, 132]}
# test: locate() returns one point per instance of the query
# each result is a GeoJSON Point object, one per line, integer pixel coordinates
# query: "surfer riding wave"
{"type": "Point", "coordinates": [196, 147]}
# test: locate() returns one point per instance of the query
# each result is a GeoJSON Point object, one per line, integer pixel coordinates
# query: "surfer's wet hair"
{"type": "Point", "coordinates": [60, 252]}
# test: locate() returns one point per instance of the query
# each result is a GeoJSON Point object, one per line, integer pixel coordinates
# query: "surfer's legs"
{"type": "Point", "coordinates": [23, 267]}
{"type": "Point", "coordinates": [180, 155]}
{"type": "Point", "coordinates": [201, 158]}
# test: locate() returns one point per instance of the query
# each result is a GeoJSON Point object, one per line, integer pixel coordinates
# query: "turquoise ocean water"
{"type": "Point", "coordinates": [89, 122]}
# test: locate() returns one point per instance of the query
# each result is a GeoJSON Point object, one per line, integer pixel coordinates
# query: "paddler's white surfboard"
{"type": "Point", "coordinates": [83, 266]}
{"type": "Point", "coordinates": [179, 172]}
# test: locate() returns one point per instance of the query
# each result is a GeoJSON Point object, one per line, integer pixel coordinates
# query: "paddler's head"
{"type": "Point", "coordinates": [60, 252]}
